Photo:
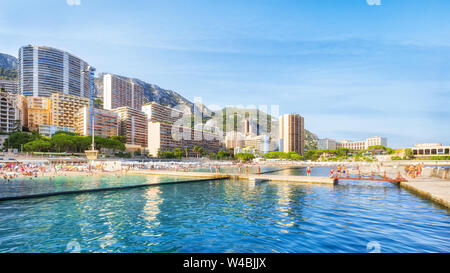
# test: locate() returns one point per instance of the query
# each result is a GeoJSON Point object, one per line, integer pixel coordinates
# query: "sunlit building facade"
{"type": "Point", "coordinates": [292, 133]}
{"type": "Point", "coordinates": [38, 112]}
{"type": "Point", "coordinates": [132, 125]}
{"type": "Point", "coordinates": [64, 108]}
{"type": "Point", "coordinates": [106, 123]}
{"type": "Point", "coordinates": [44, 70]}
{"type": "Point", "coordinates": [10, 114]}
{"type": "Point", "coordinates": [118, 92]}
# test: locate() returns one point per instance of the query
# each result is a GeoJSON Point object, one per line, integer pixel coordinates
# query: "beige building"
{"type": "Point", "coordinates": [118, 92]}
{"type": "Point", "coordinates": [38, 112]}
{"type": "Point", "coordinates": [363, 144]}
{"type": "Point", "coordinates": [106, 123]}
{"type": "Point", "coordinates": [292, 133]}
{"type": "Point", "coordinates": [234, 140]}
{"type": "Point", "coordinates": [259, 144]}
{"type": "Point", "coordinates": [157, 112]}
{"type": "Point", "coordinates": [10, 114]}
{"type": "Point", "coordinates": [64, 108]}
{"type": "Point", "coordinates": [166, 137]}
{"type": "Point", "coordinates": [132, 125]}
{"type": "Point", "coordinates": [431, 149]}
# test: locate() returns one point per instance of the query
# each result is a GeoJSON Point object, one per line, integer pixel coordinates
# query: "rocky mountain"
{"type": "Point", "coordinates": [311, 141]}
{"type": "Point", "coordinates": [8, 67]}
{"type": "Point", "coordinates": [8, 61]}
{"type": "Point", "coordinates": [232, 116]}
{"type": "Point", "coordinates": [155, 93]}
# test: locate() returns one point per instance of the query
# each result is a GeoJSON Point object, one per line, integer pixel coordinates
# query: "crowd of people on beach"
{"type": "Point", "coordinates": [34, 170]}
{"type": "Point", "coordinates": [414, 171]}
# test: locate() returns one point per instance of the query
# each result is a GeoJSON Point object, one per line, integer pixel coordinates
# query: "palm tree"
{"type": "Point", "coordinates": [200, 151]}
{"type": "Point", "coordinates": [195, 150]}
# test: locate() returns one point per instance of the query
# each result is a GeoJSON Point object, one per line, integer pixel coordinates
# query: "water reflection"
{"type": "Point", "coordinates": [227, 216]}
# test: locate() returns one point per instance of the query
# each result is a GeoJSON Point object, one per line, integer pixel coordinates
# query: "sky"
{"type": "Point", "coordinates": [352, 68]}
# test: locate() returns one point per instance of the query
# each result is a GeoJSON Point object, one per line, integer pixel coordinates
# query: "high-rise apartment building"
{"type": "Point", "coordinates": [38, 112]}
{"type": "Point", "coordinates": [292, 133]}
{"type": "Point", "coordinates": [133, 125]}
{"type": "Point", "coordinates": [118, 92]}
{"type": "Point", "coordinates": [9, 86]}
{"type": "Point", "coordinates": [106, 122]}
{"type": "Point", "coordinates": [10, 113]}
{"type": "Point", "coordinates": [45, 70]}
{"type": "Point", "coordinates": [64, 107]}
{"type": "Point", "coordinates": [157, 112]}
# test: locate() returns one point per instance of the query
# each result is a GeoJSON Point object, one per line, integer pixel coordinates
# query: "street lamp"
{"type": "Point", "coordinates": [91, 154]}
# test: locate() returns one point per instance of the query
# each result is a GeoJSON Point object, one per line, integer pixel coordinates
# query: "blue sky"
{"type": "Point", "coordinates": [353, 70]}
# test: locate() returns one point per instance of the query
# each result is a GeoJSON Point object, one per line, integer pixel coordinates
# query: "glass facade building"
{"type": "Point", "coordinates": [45, 70]}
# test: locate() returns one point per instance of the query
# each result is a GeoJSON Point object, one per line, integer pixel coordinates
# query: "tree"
{"type": "Point", "coordinates": [17, 139]}
{"type": "Point", "coordinates": [197, 150]}
{"type": "Point", "coordinates": [409, 154]}
{"type": "Point", "coordinates": [200, 151]}
{"type": "Point", "coordinates": [63, 142]}
{"type": "Point", "coordinates": [244, 157]}
{"type": "Point", "coordinates": [186, 152]}
{"type": "Point", "coordinates": [37, 146]}
{"type": "Point", "coordinates": [119, 138]}
{"type": "Point", "coordinates": [221, 154]}
{"type": "Point", "coordinates": [178, 153]}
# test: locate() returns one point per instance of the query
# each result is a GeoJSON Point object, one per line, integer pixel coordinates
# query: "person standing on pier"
{"type": "Point", "coordinates": [308, 171]}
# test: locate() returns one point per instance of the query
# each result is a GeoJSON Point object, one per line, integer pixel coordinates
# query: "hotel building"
{"type": "Point", "coordinates": [118, 92]}
{"type": "Point", "coordinates": [292, 133]}
{"type": "Point", "coordinates": [10, 114]}
{"type": "Point", "coordinates": [157, 112]}
{"type": "Point", "coordinates": [133, 125]}
{"type": "Point", "coordinates": [106, 123]}
{"type": "Point", "coordinates": [431, 149]}
{"type": "Point", "coordinates": [38, 112]}
{"type": "Point", "coordinates": [166, 137]}
{"type": "Point", "coordinates": [9, 86]}
{"type": "Point", "coordinates": [45, 70]}
{"type": "Point", "coordinates": [363, 144]}
{"type": "Point", "coordinates": [64, 107]}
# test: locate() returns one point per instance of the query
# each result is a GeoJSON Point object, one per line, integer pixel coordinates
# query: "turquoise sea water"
{"type": "Point", "coordinates": [227, 216]}
{"type": "Point", "coordinates": [30, 186]}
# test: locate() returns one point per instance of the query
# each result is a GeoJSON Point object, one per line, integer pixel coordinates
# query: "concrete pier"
{"type": "Point", "coordinates": [252, 177]}
{"type": "Point", "coordinates": [435, 189]}
{"type": "Point", "coordinates": [289, 178]}
{"type": "Point", "coordinates": [184, 174]}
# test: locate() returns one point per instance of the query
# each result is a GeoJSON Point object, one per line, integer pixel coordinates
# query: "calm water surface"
{"type": "Point", "coordinates": [228, 216]}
